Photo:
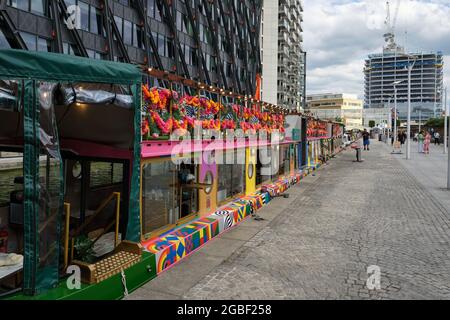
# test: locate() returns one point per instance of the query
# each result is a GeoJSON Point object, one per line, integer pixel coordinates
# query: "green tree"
{"type": "Point", "coordinates": [372, 123]}
{"type": "Point", "coordinates": [435, 123]}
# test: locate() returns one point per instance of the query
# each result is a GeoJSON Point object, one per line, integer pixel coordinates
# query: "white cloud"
{"type": "Point", "coordinates": [339, 35]}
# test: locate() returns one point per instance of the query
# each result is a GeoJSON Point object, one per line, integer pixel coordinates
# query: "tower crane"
{"type": "Point", "coordinates": [389, 36]}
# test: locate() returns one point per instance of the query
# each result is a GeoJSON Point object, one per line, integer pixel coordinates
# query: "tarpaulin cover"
{"type": "Point", "coordinates": [134, 216]}
{"type": "Point", "coordinates": [53, 66]}
{"type": "Point", "coordinates": [44, 188]}
{"type": "Point", "coordinates": [97, 94]}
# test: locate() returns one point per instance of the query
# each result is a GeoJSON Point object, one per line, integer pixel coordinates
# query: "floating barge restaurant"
{"type": "Point", "coordinates": [106, 189]}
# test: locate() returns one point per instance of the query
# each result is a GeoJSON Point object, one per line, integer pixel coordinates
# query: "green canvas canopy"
{"type": "Point", "coordinates": [40, 72]}
{"type": "Point", "coordinates": [61, 67]}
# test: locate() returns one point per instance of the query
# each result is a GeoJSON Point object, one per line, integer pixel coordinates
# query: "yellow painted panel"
{"type": "Point", "coordinates": [250, 170]}
{"type": "Point", "coordinates": [317, 147]}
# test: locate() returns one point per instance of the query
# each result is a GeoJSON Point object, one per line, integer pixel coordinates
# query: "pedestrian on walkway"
{"type": "Point", "coordinates": [437, 138]}
{"type": "Point", "coordinates": [358, 145]}
{"type": "Point", "coordinates": [366, 139]}
{"type": "Point", "coordinates": [401, 138]}
{"type": "Point", "coordinates": [421, 139]}
{"type": "Point", "coordinates": [426, 144]}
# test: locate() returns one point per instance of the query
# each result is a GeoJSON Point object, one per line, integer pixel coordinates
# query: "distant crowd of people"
{"type": "Point", "coordinates": [424, 138]}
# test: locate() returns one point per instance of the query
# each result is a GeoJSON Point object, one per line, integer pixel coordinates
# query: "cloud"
{"type": "Point", "coordinates": [339, 35]}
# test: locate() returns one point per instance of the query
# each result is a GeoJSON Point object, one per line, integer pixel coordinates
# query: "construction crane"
{"type": "Point", "coordinates": [389, 36]}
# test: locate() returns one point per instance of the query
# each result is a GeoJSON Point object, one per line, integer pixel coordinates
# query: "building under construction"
{"type": "Point", "coordinates": [389, 70]}
{"type": "Point", "coordinates": [383, 70]}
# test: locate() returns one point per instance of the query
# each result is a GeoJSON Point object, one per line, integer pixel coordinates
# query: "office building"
{"type": "Point", "coordinates": [216, 43]}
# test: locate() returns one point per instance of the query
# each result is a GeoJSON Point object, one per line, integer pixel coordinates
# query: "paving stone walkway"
{"type": "Point", "coordinates": [319, 243]}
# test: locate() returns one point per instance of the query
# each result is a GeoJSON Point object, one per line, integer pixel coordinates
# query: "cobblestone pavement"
{"type": "Point", "coordinates": [348, 217]}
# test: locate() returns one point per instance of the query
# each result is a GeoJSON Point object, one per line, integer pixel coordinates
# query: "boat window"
{"type": "Point", "coordinates": [11, 188]}
{"type": "Point", "coordinates": [97, 194]}
{"type": "Point", "coordinates": [105, 174]}
{"type": "Point", "coordinates": [187, 177]}
{"type": "Point", "coordinates": [284, 160]}
{"type": "Point", "coordinates": [231, 178]}
{"type": "Point", "coordinates": [159, 203]}
{"type": "Point", "coordinates": [11, 221]}
{"type": "Point", "coordinates": [50, 190]}
{"type": "Point", "coordinates": [263, 165]}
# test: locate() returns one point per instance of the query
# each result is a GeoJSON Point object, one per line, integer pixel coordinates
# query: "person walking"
{"type": "Point", "coordinates": [366, 139]}
{"type": "Point", "coordinates": [401, 138]}
{"type": "Point", "coordinates": [426, 144]}
{"type": "Point", "coordinates": [437, 138]}
{"type": "Point", "coordinates": [358, 145]}
{"type": "Point", "coordinates": [420, 139]}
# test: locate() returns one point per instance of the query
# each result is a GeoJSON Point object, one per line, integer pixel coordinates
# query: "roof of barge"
{"type": "Point", "coordinates": [19, 64]}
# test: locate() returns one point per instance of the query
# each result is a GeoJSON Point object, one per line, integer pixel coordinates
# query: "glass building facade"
{"type": "Point", "coordinates": [214, 42]}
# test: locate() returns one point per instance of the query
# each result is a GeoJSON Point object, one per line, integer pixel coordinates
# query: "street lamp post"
{"type": "Point", "coordinates": [408, 130]}
{"type": "Point", "coordinates": [395, 112]}
{"type": "Point", "coordinates": [446, 140]}
{"type": "Point", "coordinates": [445, 122]}
{"type": "Point", "coordinates": [389, 117]}
{"type": "Point", "coordinates": [389, 122]}
{"type": "Point", "coordinates": [420, 120]}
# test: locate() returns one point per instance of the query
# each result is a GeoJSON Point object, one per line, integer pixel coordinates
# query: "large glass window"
{"type": "Point", "coordinates": [30, 40]}
{"type": "Point", "coordinates": [275, 162]}
{"type": "Point", "coordinates": [44, 45]}
{"type": "Point", "coordinates": [34, 6]}
{"type": "Point", "coordinates": [3, 42]}
{"type": "Point", "coordinates": [231, 178]}
{"type": "Point", "coordinates": [127, 32]}
{"type": "Point", "coordinates": [138, 36]}
{"type": "Point", "coordinates": [84, 15]}
{"type": "Point", "coordinates": [179, 21]}
{"type": "Point", "coordinates": [37, 6]}
{"type": "Point", "coordinates": [67, 47]}
{"type": "Point", "coordinates": [105, 173]}
{"type": "Point", "coordinates": [263, 166]}
{"type": "Point", "coordinates": [187, 54]}
{"type": "Point", "coordinates": [187, 26]}
{"type": "Point", "coordinates": [194, 59]}
{"type": "Point", "coordinates": [159, 205]}
{"type": "Point", "coordinates": [161, 45]}
{"type": "Point", "coordinates": [151, 8]}
{"type": "Point", "coordinates": [19, 4]}
{"type": "Point", "coordinates": [170, 49]}
{"type": "Point", "coordinates": [119, 23]}
{"type": "Point", "coordinates": [284, 160]}
{"type": "Point", "coordinates": [11, 189]}
{"type": "Point", "coordinates": [96, 21]}
{"type": "Point", "coordinates": [95, 55]}
{"type": "Point", "coordinates": [187, 177]}
{"type": "Point", "coordinates": [157, 14]}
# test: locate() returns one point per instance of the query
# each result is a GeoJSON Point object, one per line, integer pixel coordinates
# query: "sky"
{"type": "Point", "coordinates": [340, 34]}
